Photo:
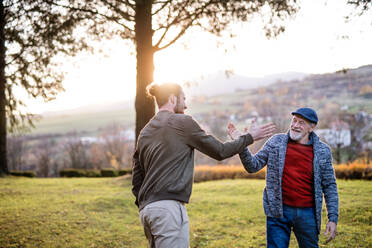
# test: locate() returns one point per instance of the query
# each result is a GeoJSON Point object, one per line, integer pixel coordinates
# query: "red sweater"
{"type": "Point", "coordinates": [297, 181]}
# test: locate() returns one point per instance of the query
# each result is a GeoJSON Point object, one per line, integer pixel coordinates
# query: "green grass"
{"type": "Point", "coordinates": [101, 213]}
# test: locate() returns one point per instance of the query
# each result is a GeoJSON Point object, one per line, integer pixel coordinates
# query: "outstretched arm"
{"type": "Point", "coordinates": [251, 163]}
{"type": "Point", "coordinates": [257, 132]}
{"type": "Point", "coordinates": [209, 145]}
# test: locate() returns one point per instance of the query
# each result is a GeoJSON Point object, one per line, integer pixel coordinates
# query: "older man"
{"type": "Point", "coordinates": [299, 173]}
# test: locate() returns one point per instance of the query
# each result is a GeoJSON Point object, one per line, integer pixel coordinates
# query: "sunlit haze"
{"type": "Point", "coordinates": [314, 42]}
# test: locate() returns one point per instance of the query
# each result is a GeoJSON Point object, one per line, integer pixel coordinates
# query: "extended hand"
{"type": "Point", "coordinates": [233, 132]}
{"type": "Point", "coordinates": [257, 132]}
{"type": "Point", "coordinates": [331, 229]}
{"type": "Point", "coordinates": [262, 131]}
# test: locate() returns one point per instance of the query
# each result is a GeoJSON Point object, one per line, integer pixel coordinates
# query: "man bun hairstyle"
{"type": "Point", "coordinates": [162, 92]}
{"type": "Point", "coordinates": [152, 90]}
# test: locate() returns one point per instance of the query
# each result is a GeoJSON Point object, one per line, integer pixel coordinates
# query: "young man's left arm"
{"type": "Point", "coordinates": [329, 187]}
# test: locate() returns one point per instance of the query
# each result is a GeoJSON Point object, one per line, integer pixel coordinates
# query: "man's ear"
{"type": "Point", "coordinates": [313, 126]}
{"type": "Point", "coordinates": [173, 99]}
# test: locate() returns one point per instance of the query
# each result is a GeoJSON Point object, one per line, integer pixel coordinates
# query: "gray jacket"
{"type": "Point", "coordinates": [273, 155]}
{"type": "Point", "coordinates": [163, 163]}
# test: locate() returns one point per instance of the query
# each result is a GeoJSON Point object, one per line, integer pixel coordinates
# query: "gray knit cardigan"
{"type": "Point", "coordinates": [273, 155]}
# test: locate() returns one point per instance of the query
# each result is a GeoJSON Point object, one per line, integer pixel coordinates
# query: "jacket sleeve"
{"type": "Point", "coordinates": [197, 138]}
{"type": "Point", "coordinates": [329, 188]}
{"type": "Point", "coordinates": [254, 163]}
{"type": "Point", "coordinates": [137, 176]}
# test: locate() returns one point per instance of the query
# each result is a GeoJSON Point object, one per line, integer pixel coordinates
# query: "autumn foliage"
{"type": "Point", "coordinates": [217, 172]}
{"type": "Point", "coordinates": [355, 170]}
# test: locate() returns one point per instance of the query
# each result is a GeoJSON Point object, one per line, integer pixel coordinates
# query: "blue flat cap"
{"type": "Point", "coordinates": [307, 113]}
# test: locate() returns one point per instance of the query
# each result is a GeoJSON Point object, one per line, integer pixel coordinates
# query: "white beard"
{"type": "Point", "coordinates": [296, 136]}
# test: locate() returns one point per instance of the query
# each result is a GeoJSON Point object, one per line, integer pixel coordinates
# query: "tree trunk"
{"type": "Point", "coordinates": [338, 153]}
{"type": "Point", "coordinates": [3, 155]}
{"type": "Point", "coordinates": [145, 107]}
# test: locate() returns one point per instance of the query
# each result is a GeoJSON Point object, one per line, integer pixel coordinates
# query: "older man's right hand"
{"type": "Point", "coordinates": [257, 132]}
{"type": "Point", "coordinates": [262, 131]}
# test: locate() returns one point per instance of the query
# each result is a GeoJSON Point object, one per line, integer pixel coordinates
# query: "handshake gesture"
{"type": "Point", "coordinates": [256, 131]}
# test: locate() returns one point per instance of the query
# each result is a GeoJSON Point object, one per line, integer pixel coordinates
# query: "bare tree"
{"type": "Point", "coordinates": [45, 159]}
{"type": "Point", "coordinates": [32, 35]}
{"type": "Point", "coordinates": [116, 147]}
{"type": "Point", "coordinates": [359, 124]}
{"type": "Point", "coordinates": [153, 26]}
{"type": "Point", "coordinates": [97, 156]}
{"type": "Point", "coordinates": [77, 154]}
{"type": "Point", "coordinates": [16, 151]}
{"type": "Point", "coordinates": [338, 129]}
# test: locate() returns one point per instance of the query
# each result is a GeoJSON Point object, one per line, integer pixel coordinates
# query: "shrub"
{"type": "Point", "coordinates": [22, 173]}
{"type": "Point", "coordinates": [109, 173]}
{"type": "Point", "coordinates": [72, 173]}
{"type": "Point", "coordinates": [368, 176]}
{"type": "Point", "coordinates": [92, 173]}
{"type": "Point", "coordinates": [355, 170]}
{"type": "Point", "coordinates": [342, 171]}
{"type": "Point", "coordinates": [80, 173]}
{"type": "Point", "coordinates": [123, 172]}
{"type": "Point", "coordinates": [207, 173]}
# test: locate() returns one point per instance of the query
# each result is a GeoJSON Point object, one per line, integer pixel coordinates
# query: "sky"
{"type": "Point", "coordinates": [314, 42]}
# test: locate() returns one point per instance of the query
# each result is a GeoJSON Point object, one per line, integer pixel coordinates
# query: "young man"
{"type": "Point", "coordinates": [299, 172]}
{"type": "Point", "coordinates": [163, 165]}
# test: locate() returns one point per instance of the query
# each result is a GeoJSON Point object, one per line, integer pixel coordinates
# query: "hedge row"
{"type": "Point", "coordinates": [22, 173]}
{"type": "Point", "coordinates": [217, 172]}
{"type": "Point", "coordinates": [203, 173]}
{"type": "Point", "coordinates": [355, 170]}
{"type": "Point", "coordinates": [93, 172]}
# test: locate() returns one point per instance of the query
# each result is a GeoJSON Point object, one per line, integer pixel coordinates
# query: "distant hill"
{"type": "Point", "coordinates": [351, 82]}
{"type": "Point", "coordinates": [351, 88]}
{"type": "Point", "coordinates": [112, 106]}
{"type": "Point", "coordinates": [224, 82]}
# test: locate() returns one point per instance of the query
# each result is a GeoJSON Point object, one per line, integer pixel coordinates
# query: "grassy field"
{"type": "Point", "coordinates": [85, 121]}
{"type": "Point", "coordinates": [91, 121]}
{"type": "Point", "coordinates": [100, 213]}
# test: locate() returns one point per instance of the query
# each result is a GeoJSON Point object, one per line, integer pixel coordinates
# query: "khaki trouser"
{"type": "Point", "coordinates": [166, 224]}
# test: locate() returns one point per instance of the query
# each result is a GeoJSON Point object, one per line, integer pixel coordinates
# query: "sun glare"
{"type": "Point", "coordinates": [94, 80]}
{"type": "Point", "coordinates": [309, 45]}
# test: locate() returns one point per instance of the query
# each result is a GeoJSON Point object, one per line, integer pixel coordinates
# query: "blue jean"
{"type": "Point", "coordinates": [300, 220]}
